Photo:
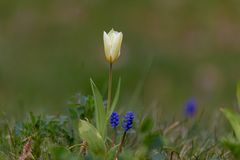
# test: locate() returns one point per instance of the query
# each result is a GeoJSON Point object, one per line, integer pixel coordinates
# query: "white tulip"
{"type": "Point", "coordinates": [112, 44]}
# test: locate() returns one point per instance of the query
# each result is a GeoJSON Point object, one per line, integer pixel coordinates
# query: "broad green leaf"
{"type": "Point", "coordinates": [234, 119]}
{"type": "Point", "coordinates": [233, 145]}
{"type": "Point", "coordinates": [115, 100]}
{"type": "Point", "coordinates": [94, 140]}
{"type": "Point", "coordinates": [100, 111]}
{"type": "Point", "coordinates": [238, 93]}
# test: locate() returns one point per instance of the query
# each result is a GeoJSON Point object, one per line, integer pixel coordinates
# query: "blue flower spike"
{"type": "Point", "coordinates": [127, 124]}
{"type": "Point", "coordinates": [191, 107]}
{"type": "Point", "coordinates": [128, 121]}
{"type": "Point", "coordinates": [114, 119]}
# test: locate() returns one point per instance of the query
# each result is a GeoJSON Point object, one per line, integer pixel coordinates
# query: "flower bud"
{"type": "Point", "coordinates": [112, 44]}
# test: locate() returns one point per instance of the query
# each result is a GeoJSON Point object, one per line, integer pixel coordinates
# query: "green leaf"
{"type": "Point", "coordinates": [94, 140]}
{"type": "Point", "coordinates": [238, 93]}
{"type": "Point", "coordinates": [115, 100]}
{"type": "Point", "coordinates": [61, 153]}
{"type": "Point", "coordinates": [233, 145]}
{"type": "Point", "coordinates": [112, 152]}
{"type": "Point", "coordinates": [3, 156]}
{"type": "Point", "coordinates": [234, 119]}
{"type": "Point", "coordinates": [127, 155]}
{"type": "Point", "coordinates": [146, 124]}
{"type": "Point", "coordinates": [100, 111]}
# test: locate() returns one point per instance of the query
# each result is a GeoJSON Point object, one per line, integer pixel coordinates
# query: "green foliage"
{"type": "Point", "coordinates": [61, 153]}
{"type": "Point", "coordinates": [146, 125]}
{"type": "Point", "coordinates": [100, 111]}
{"type": "Point", "coordinates": [233, 145]}
{"type": "Point", "coordinates": [153, 141]}
{"type": "Point", "coordinates": [127, 155]}
{"type": "Point", "coordinates": [94, 139]}
{"type": "Point", "coordinates": [234, 120]}
{"type": "Point", "coordinates": [54, 138]}
{"type": "Point", "coordinates": [44, 131]}
{"type": "Point", "coordinates": [112, 152]}
{"type": "Point", "coordinates": [81, 107]}
{"type": "Point", "coordinates": [233, 142]}
{"type": "Point", "coordinates": [61, 137]}
{"type": "Point", "coordinates": [102, 114]}
{"type": "Point", "coordinates": [3, 156]}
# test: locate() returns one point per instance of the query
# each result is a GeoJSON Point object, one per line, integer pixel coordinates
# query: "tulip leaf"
{"type": "Point", "coordinates": [94, 139]}
{"type": "Point", "coordinates": [234, 120]}
{"type": "Point", "coordinates": [238, 93]}
{"type": "Point", "coordinates": [100, 112]}
{"type": "Point", "coordinates": [115, 99]}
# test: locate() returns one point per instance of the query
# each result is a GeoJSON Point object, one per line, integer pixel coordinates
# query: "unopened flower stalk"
{"type": "Point", "coordinates": [112, 45]}
{"type": "Point", "coordinates": [109, 102]}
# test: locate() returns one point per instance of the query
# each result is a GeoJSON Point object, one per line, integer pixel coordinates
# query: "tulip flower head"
{"type": "Point", "coordinates": [112, 45]}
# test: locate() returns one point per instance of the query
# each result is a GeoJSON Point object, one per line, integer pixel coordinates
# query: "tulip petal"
{"type": "Point", "coordinates": [116, 44]}
{"type": "Point", "coordinates": [111, 32]}
{"type": "Point", "coordinates": [120, 43]}
{"type": "Point", "coordinates": [107, 45]}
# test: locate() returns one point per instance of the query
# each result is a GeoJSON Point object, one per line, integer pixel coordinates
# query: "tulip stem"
{"type": "Point", "coordinates": [109, 88]}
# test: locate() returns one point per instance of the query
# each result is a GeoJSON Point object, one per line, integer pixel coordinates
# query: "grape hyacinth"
{"type": "Point", "coordinates": [128, 121]}
{"type": "Point", "coordinates": [191, 107]}
{"type": "Point", "coordinates": [114, 119]}
{"type": "Point", "coordinates": [127, 124]}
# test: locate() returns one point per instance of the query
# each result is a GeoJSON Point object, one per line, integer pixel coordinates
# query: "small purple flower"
{"type": "Point", "coordinates": [191, 107]}
{"type": "Point", "coordinates": [114, 119]}
{"type": "Point", "coordinates": [128, 121]}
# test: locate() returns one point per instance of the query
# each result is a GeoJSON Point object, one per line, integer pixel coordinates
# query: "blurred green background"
{"type": "Point", "coordinates": [172, 50]}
